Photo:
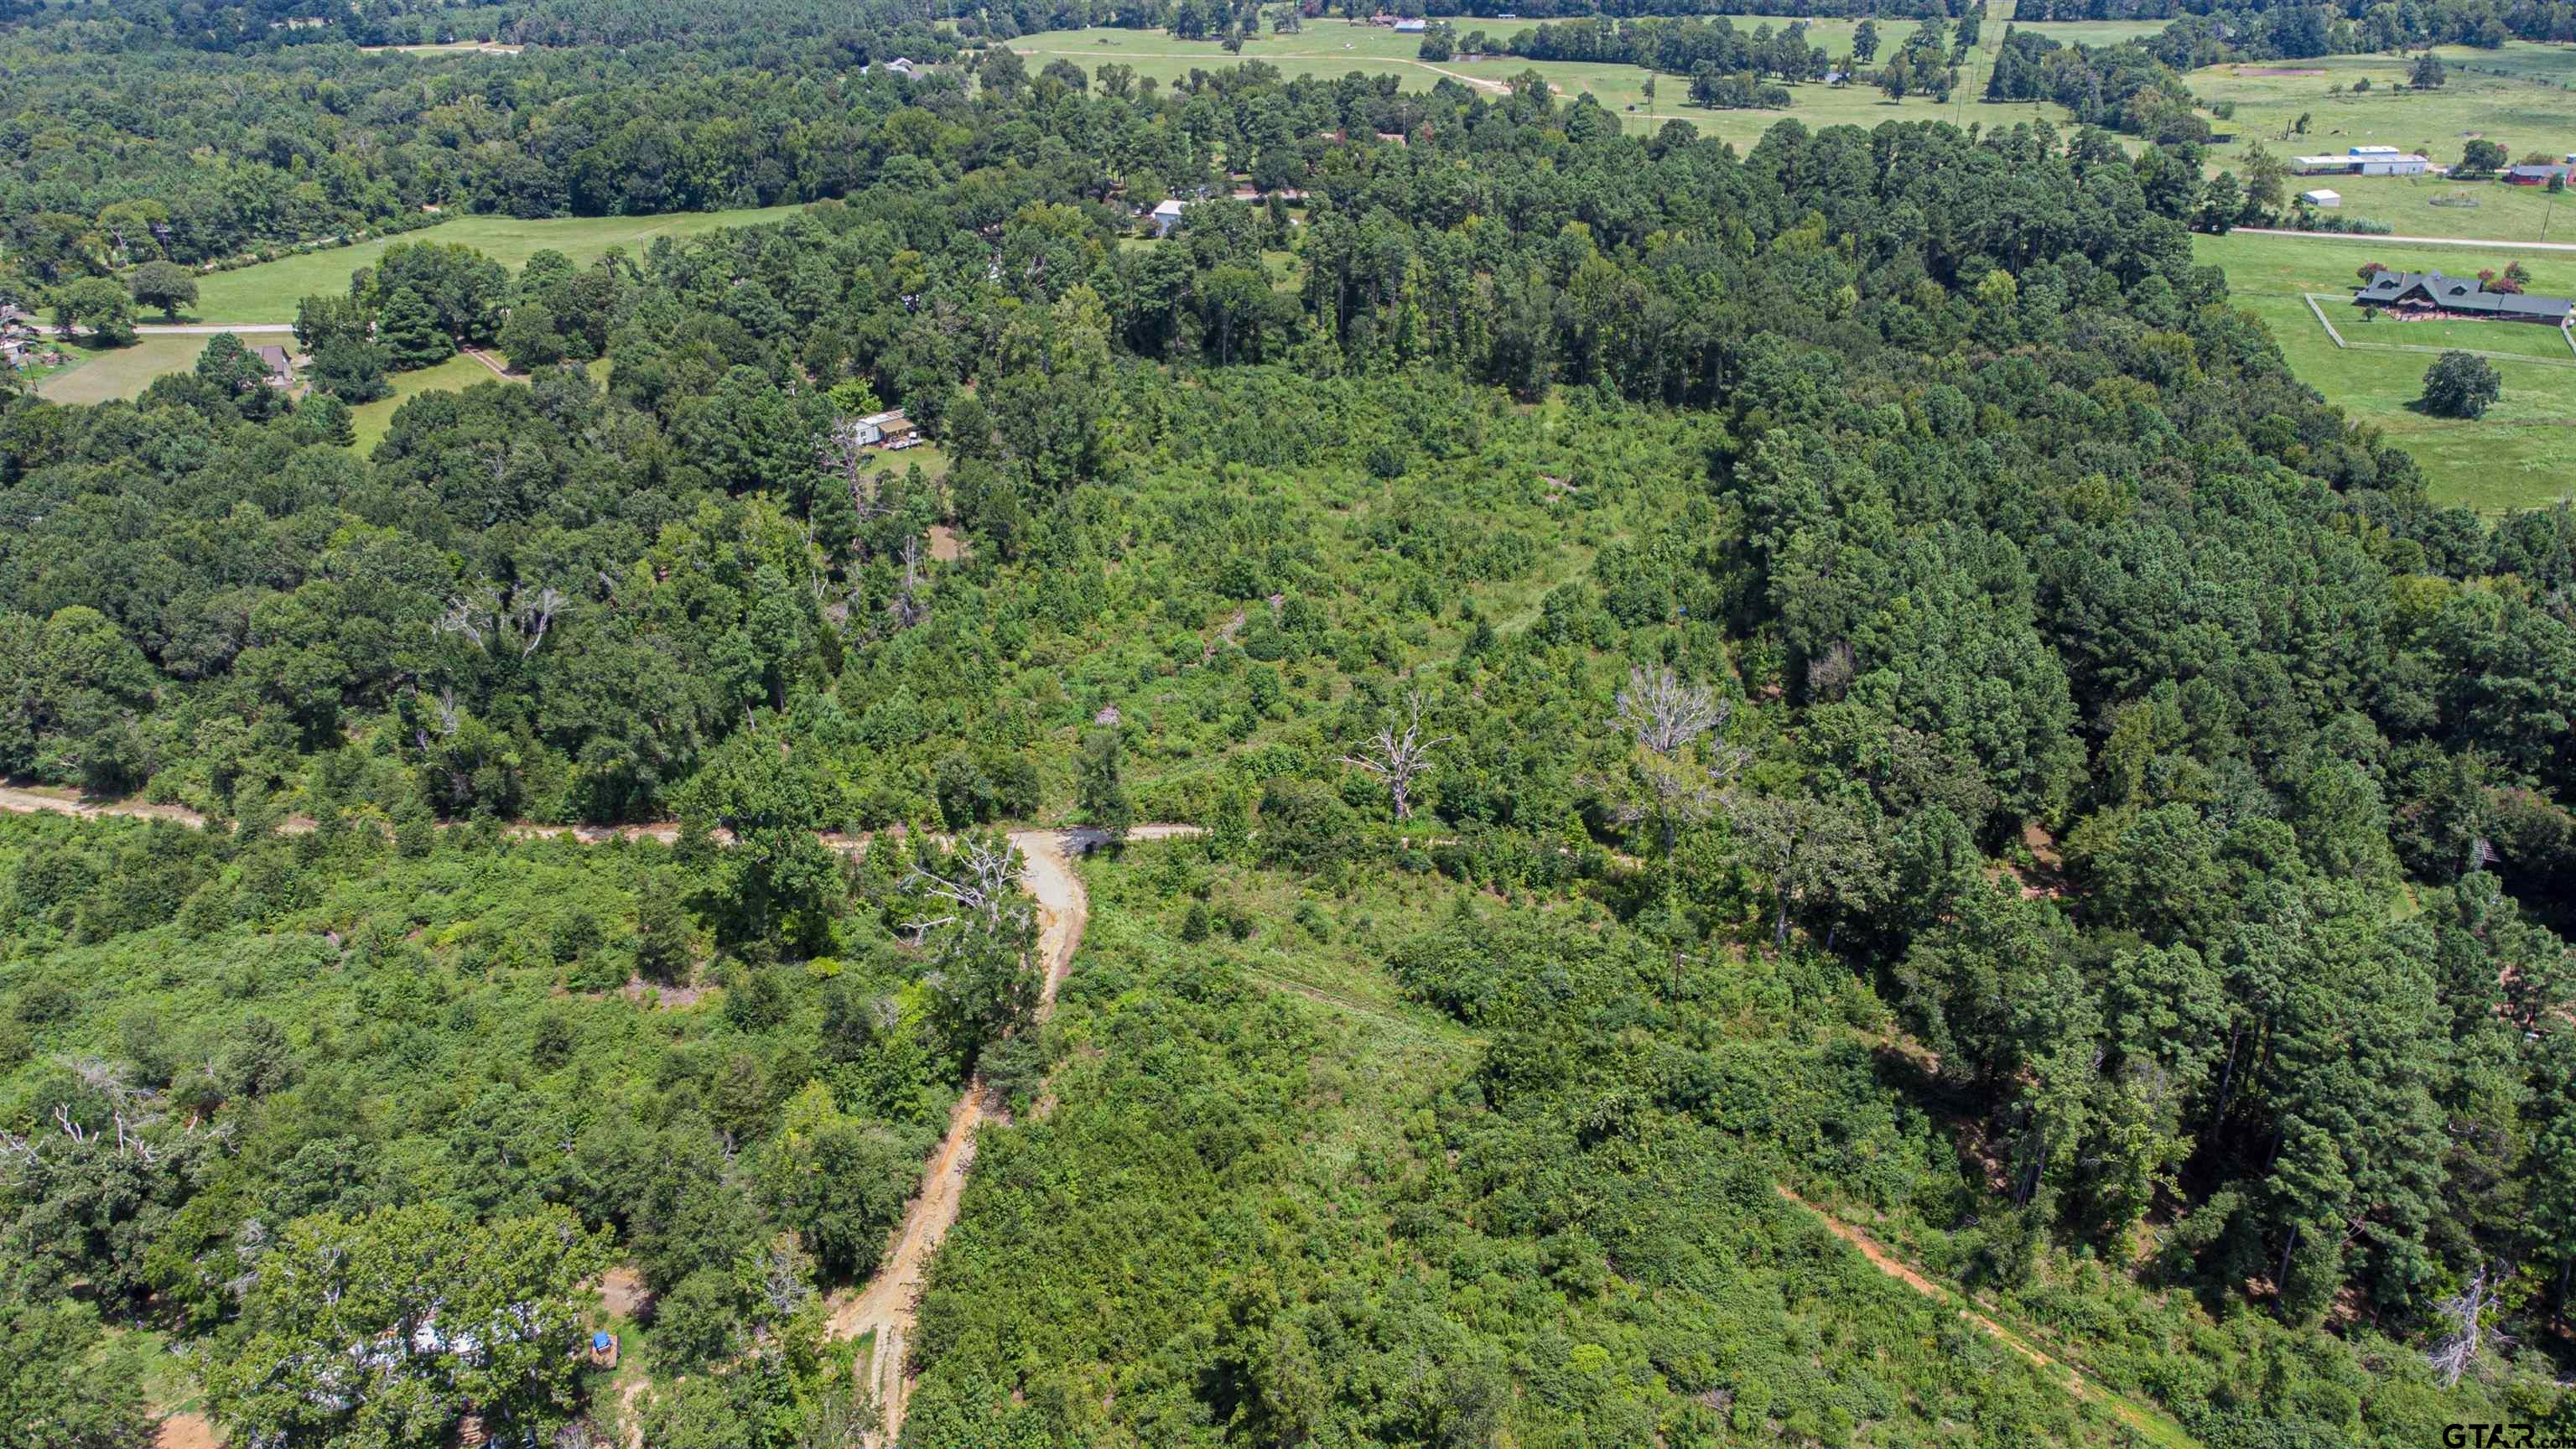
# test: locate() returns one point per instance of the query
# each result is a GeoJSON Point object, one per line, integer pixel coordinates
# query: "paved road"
{"type": "Point", "coordinates": [2410, 241]}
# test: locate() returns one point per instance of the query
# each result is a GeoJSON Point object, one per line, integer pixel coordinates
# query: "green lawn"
{"type": "Point", "coordinates": [2439, 206]}
{"type": "Point", "coordinates": [2517, 456]}
{"type": "Point", "coordinates": [268, 292]}
{"type": "Point", "coordinates": [98, 374]}
{"type": "Point", "coordinates": [2520, 339]}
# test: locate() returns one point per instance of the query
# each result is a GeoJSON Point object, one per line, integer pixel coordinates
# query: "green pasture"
{"type": "Point", "coordinates": [2439, 206]}
{"type": "Point", "coordinates": [2365, 329]}
{"type": "Point", "coordinates": [2517, 96]}
{"type": "Point", "coordinates": [2517, 456]}
{"type": "Point", "coordinates": [1333, 48]}
{"type": "Point", "coordinates": [268, 292]}
{"type": "Point", "coordinates": [2287, 265]}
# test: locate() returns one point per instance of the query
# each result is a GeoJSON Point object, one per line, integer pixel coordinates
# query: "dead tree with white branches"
{"type": "Point", "coordinates": [905, 607]}
{"type": "Point", "coordinates": [983, 946]}
{"type": "Point", "coordinates": [491, 621]}
{"type": "Point", "coordinates": [1666, 712]}
{"type": "Point", "coordinates": [1400, 758]}
{"type": "Point", "coordinates": [2469, 1335]}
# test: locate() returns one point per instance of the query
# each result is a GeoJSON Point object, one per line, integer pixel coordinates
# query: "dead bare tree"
{"type": "Point", "coordinates": [905, 607]}
{"type": "Point", "coordinates": [2457, 1351]}
{"type": "Point", "coordinates": [1400, 758]}
{"type": "Point", "coordinates": [490, 620]}
{"type": "Point", "coordinates": [1666, 712]}
{"type": "Point", "coordinates": [983, 884]}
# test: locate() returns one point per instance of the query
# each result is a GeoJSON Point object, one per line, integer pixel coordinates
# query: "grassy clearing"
{"type": "Point", "coordinates": [2282, 265]}
{"type": "Point", "coordinates": [2439, 206]}
{"type": "Point", "coordinates": [268, 292]}
{"type": "Point", "coordinates": [2514, 457]}
{"type": "Point", "coordinates": [102, 374]}
{"type": "Point", "coordinates": [453, 47]}
{"type": "Point", "coordinates": [371, 420]}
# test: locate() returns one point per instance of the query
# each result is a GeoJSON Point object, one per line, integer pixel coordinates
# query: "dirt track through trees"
{"type": "Point", "coordinates": [2150, 1425]}
{"type": "Point", "coordinates": [886, 1306]}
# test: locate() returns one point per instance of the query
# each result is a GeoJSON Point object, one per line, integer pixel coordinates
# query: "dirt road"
{"type": "Point", "coordinates": [2152, 1426]}
{"type": "Point", "coordinates": [885, 1307]}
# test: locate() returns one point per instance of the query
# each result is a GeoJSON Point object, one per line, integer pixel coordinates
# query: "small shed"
{"type": "Point", "coordinates": [2322, 197]}
{"type": "Point", "coordinates": [1166, 216]}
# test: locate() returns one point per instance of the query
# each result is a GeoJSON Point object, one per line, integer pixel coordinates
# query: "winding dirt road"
{"type": "Point", "coordinates": [887, 1305]}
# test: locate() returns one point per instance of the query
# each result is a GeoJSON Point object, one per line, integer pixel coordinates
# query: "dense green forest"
{"type": "Point", "coordinates": [1889, 688]}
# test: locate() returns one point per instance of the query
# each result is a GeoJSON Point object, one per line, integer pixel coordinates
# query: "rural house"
{"type": "Point", "coordinates": [2431, 293]}
{"type": "Point", "coordinates": [2539, 173]}
{"type": "Point", "coordinates": [890, 429]}
{"type": "Point", "coordinates": [281, 368]}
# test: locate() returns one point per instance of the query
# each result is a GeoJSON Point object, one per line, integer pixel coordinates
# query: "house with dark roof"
{"type": "Point", "coordinates": [2463, 296]}
{"type": "Point", "coordinates": [281, 368]}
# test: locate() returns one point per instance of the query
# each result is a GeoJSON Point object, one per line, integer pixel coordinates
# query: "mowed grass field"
{"type": "Point", "coordinates": [1330, 49]}
{"type": "Point", "coordinates": [103, 374]}
{"type": "Point", "coordinates": [2522, 454]}
{"type": "Point", "coordinates": [268, 292]}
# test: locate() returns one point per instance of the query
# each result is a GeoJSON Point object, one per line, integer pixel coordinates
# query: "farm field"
{"type": "Point", "coordinates": [2515, 95]}
{"type": "Point", "coordinates": [2517, 456]}
{"type": "Point", "coordinates": [102, 374]}
{"type": "Point", "coordinates": [2438, 206]}
{"type": "Point", "coordinates": [1331, 48]}
{"type": "Point", "coordinates": [268, 292]}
